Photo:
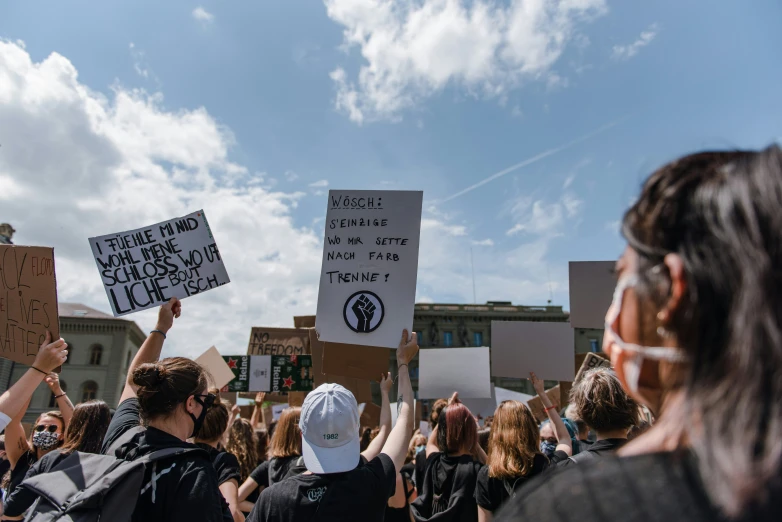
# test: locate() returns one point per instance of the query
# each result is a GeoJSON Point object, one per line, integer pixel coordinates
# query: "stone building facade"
{"type": "Point", "coordinates": [101, 348]}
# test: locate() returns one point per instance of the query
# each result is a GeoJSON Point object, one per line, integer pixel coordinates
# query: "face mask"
{"type": "Point", "coordinates": [634, 362]}
{"type": "Point", "coordinates": [419, 449]}
{"type": "Point", "coordinates": [45, 440]}
{"type": "Point", "coordinates": [547, 448]}
{"type": "Point", "coordinates": [199, 421]}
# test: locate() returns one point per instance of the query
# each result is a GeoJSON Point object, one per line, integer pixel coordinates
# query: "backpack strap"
{"type": "Point", "coordinates": [124, 439]}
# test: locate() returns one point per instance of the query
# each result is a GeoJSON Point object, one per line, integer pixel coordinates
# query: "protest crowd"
{"type": "Point", "coordinates": [685, 424]}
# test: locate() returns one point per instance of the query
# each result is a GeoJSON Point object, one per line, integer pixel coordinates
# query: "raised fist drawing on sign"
{"type": "Point", "coordinates": [365, 311]}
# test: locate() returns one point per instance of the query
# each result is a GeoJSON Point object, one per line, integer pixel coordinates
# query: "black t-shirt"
{"type": "Point", "coordinates": [20, 499]}
{"type": "Point", "coordinates": [658, 487]}
{"type": "Point", "coordinates": [261, 474]}
{"type": "Point", "coordinates": [226, 464]}
{"type": "Point", "coordinates": [448, 489]}
{"type": "Point", "coordinates": [357, 495]}
{"type": "Point", "coordinates": [418, 470]}
{"type": "Point", "coordinates": [491, 493]}
{"type": "Point", "coordinates": [183, 489]}
{"type": "Point", "coordinates": [598, 449]}
{"type": "Point", "coordinates": [23, 465]}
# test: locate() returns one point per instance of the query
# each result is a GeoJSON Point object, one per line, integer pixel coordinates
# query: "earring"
{"type": "Point", "coordinates": [662, 316]}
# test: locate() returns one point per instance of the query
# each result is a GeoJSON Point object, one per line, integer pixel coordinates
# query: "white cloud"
{"type": "Point", "coordinates": [320, 183]}
{"type": "Point", "coordinates": [76, 164]}
{"type": "Point", "coordinates": [290, 175]}
{"type": "Point", "coordinates": [413, 50]}
{"type": "Point", "coordinates": [625, 52]}
{"type": "Point", "coordinates": [516, 112]}
{"type": "Point", "coordinates": [542, 218]}
{"type": "Point", "coordinates": [202, 15]}
{"type": "Point", "coordinates": [483, 242]}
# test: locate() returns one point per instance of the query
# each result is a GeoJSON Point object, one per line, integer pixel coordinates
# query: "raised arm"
{"type": "Point", "coordinates": [373, 450]}
{"type": "Point", "coordinates": [15, 400]}
{"type": "Point", "coordinates": [563, 437]}
{"type": "Point", "coordinates": [396, 445]}
{"type": "Point", "coordinates": [64, 404]}
{"type": "Point", "coordinates": [257, 415]}
{"type": "Point", "coordinates": [153, 345]}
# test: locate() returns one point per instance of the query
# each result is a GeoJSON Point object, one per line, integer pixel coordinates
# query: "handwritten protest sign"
{"type": "Point", "coordinates": [279, 341]}
{"type": "Point", "coordinates": [590, 362]}
{"type": "Point", "coordinates": [28, 301]}
{"type": "Point", "coordinates": [443, 371]}
{"type": "Point", "coordinates": [370, 265]}
{"type": "Point", "coordinates": [146, 267]}
{"type": "Point", "coordinates": [591, 291]}
{"type": "Point", "coordinates": [270, 373]}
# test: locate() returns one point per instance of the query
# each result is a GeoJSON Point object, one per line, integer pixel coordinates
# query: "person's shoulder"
{"type": "Point", "coordinates": [561, 489]}
{"type": "Point", "coordinates": [483, 473]}
{"type": "Point", "coordinates": [228, 459]}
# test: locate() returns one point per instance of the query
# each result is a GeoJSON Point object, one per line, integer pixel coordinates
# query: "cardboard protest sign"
{"type": "Point", "coordinates": [443, 371]}
{"type": "Point", "coordinates": [217, 367]}
{"type": "Point", "coordinates": [590, 361]}
{"type": "Point", "coordinates": [146, 267]}
{"type": "Point", "coordinates": [28, 301]}
{"type": "Point", "coordinates": [296, 399]}
{"type": "Point", "coordinates": [278, 341]}
{"type": "Point", "coordinates": [370, 266]}
{"type": "Point", "coordinates": [370, 417]}
{"type": "Point", "coordinates": [536, 405]}
{"type": "Point", "coordinates": [592, 286]}
{"type": "Point", "coordinates": [356, 361]}
{"type": "Point", "coordinates": [316, 346]}
{"type": "Point", "coordinates": [521, 347]}
{"type": "Point", "coordinates": [270, 373]}
{"type": "Point", "coordinates": [360, 388]}
{"type": "Point", "coordinates": [304, 321]}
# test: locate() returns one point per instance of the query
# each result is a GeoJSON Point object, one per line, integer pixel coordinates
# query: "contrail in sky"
{"type": "Point", "coordinates": [535, 159]}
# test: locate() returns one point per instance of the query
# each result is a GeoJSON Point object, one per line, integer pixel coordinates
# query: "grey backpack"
{"type": "Point", "coordinates": [85, 487]}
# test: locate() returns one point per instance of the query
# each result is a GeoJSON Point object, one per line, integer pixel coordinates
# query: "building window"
{"type": "Point", "coordinates": [128, 360]}
{"type": "Point", "coordinates": [89, 391]}
{"type": "Point", "coordinates": [447, 339]}
{"type": "Point", "coordinates": [420, 336]}
{"type": "Point", "coordinates": [52, 400]}
{"type": "Point", "coordinates": [593, 345]}
{"type": "Point", "coordinates": [477, 338]}
{"type": "Point", "coordinates": [96, 354]}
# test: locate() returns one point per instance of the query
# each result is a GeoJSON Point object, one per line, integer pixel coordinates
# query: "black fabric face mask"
{"type": "Point", "coordinates": [207, 401]}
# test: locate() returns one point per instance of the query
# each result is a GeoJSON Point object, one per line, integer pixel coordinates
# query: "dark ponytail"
{"type": "Point", "coordinates": [167, 383]}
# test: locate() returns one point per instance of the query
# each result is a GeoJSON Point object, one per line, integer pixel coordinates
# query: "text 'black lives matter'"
{"type": "Point", "coordinates": [146, 267]}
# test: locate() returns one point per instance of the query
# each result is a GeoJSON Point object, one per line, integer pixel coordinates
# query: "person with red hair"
{"type": "Point", "coordinates": [453, 460]}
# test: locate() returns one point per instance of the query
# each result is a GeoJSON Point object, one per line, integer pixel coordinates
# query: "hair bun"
{"type": "Point", "coordinates": [149, 375]}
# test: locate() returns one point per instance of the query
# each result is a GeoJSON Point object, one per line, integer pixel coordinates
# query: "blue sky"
{"type": "Point", "coordinates": [645, 81]}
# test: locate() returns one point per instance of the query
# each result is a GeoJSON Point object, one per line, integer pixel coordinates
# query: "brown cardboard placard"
{"type": "Point", "coordinates": [536, 405]}
{"type": "Point", "coordinates": [296, 399]}
{"type": "Point", "coordinates": [360, 389]}
{"type": "Point", "coordinates": [521, 347]}
{"type": "Point", "coordinates": [592, 286]}
{"type": "Point", "coordinates": [589, 362]}
{"type": "Point", "coordinates": [304, 321]}
{"type": "Point", "coordinates": [278, 341]}
{"type": "Point", "coordinates": [221, 374]}
{"type": "Point", "coordinates": [316, 346]}
{"type": "Point", "coordinates": [28, 301]}
{"type": "Point", "coordinates": [564, 392]}
{"type": "Point", "coordinates": [370, 418]}
{"type": "Point", "coordinates": [352, 360]}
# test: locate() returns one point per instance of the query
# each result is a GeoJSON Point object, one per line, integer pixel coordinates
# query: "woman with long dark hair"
{"type": "Point", "coordinates": [695, 334]}
{"type": "Point", "coordinates": [171, 399]}
{"type": "Point", "coordinates": [453, 459]}
{"type": "Point", "coordinates": [84, 433]}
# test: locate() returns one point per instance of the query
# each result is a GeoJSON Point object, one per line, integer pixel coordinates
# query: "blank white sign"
{"type": "Point", "coordinates": [521, 347]}
{"type": "Point", "coordinates": [443, 371]}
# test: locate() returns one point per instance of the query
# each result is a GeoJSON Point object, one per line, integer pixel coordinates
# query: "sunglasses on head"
{"type": "Point", "coordinates": [51, 428]}
{"type": "Point", "coordinates": [207, 401]}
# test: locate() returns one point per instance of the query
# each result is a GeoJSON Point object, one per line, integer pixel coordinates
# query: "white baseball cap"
{"type": "Point", "coordinates": [329, 428]}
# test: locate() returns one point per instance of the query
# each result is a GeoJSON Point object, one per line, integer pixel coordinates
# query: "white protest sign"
{"type": "Point", "coordinates": [425, 429]}
{"type": "Point", "coordinates": [442, 371]}
{"type": "Point", "coordinates": [146, 267]}
{"type": "Point", "coordinates": [277, 410]}
{"type": "Point", "coordinates": [521, 347]}
{"type": "Point", "coordinates": [370, 266]}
